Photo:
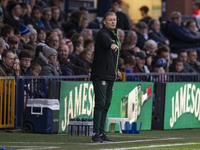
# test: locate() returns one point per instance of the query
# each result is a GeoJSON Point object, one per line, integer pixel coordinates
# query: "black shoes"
{"type": "Point", "coordinates": [96, 138]}
{"type": "Point", "coordinates": [104, 138]}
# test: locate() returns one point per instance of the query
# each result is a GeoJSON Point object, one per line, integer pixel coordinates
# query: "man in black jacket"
{"type": "Point", "coordinates": [104, 73]}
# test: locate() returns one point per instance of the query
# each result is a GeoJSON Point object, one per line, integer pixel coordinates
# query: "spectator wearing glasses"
{"type": "Point", "coordinates": [25, 58]}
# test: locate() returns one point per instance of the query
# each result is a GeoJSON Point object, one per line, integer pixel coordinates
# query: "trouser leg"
{"type": "Point", "coordinates": [109, 91]}
{"type": "Point", "coordinates": [100, 98]}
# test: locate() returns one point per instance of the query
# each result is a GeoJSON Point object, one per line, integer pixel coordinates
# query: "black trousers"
{"type": "Point", "coordinates": [103, 95]}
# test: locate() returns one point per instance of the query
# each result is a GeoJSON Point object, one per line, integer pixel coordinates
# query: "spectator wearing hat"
{"type": "Point", "coordinates": [24, 32]}
{"type": "Point", "coordinates": [179, 36]}
{"type": "Point", "coordinates": [13, 43]}
{"type": "Point", "coordinates": [13, 18]}
{"type": "Point", "coordinates": [142, 34]}
{"type": "Point", "coordinates": [7, 63]}
{"type": "Point", "coordinates": [25, 58]}
{"type": "Point", "coordinates": [51, 67]}
{"type": "Point", "coordinates": [140, 66]}
{"type": "Point", "coordinates": [159, 67]}
{"type": "Point", "coordinates": [70, 45]}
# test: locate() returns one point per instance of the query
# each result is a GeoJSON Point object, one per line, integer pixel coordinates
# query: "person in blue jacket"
{"type": "Point", "coordinates": [104, 73]}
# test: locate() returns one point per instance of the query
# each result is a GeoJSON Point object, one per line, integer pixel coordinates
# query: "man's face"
{"type": "Point", "coordinates": [56, 14]}
{"type": "Point", "coordinates": [13, 46]}
{"type": "Point", "coordinates": [165, 55]}
{"type": "Point", "coordinates": [192, 57]}
{"type": "Point", "coordinates": [54, 41]}
{"type": "Point", "coordinates": [115, 6]}
{"type": "Point", "coordinates": [25, 62]}
{"type": "Point", "coordinates": [17, 10]}
{"type": "Point", "coordinates": [110, 22]}
{"type": "Point", "coordinates": [63, 51]}
{"type": "Point", "coordinates": [183, 56]}
{"type": "Point", "coordinates": [9, 59]}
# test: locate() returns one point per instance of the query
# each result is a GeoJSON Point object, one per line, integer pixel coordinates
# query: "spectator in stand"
{"type": "Point", "coordinates": [16, 67]}
{"type": "Point", "coordinates": [179, 36]}
{"type": "Point", "coordinates": [3, 4]}
{"type": "Point", "coordinates": [64, 61]}
{"type": "Point", "coordinates": [25, 33]}
{"type": "Point", "coordinates": [87, 34]}
{"type": "Point", "coordinates": [83, 23]}
{"type": "Point", "coordinates": [2, 47]}
{"type": "Point", "coordinates": [59, 4]}
{"type": "Point", "coordinates": [36, 15]}
{"type": "Point", "coordinates": [179, 66]}
{"type": "Point", "coordinates": [155, 33]}
{"type": "Point", "coordinates": [7, 63]}
{"type": "Point", "coordinates": [84, 11]}
{"type": "Point", "coordinates": [59, 32]}
{"type": "Point", "coordinates": [25, 58]}
{"type": "Point", "coordinates": [86, 57]}
{"type": "Point", "coordinates": [41, 4]}
{"type": "Point", "coordinates": [192, 27]}
{"type": "Point", "coordinates": [52, 40]}
{"type": "Point", "coordinates": [89, 44]}
{"type": "Point", "coordinates": [55, 18]}
{"type": "Point", "coordinates": [162, 52]}
{"type": "Point", "coordinates": [41, 37]}
{"type": "Point", "coordinates": [52, 67]}
{"type": "Point", "coordinates": [130, 41]}
{"type": "Point", "coordinates": [196, 7]}
{"type": "Point", "coordinates": [6, 32]}
{"type": "Point", "coordinates": [140, 66]}
{"type": "Point", "coordinates": [150, 47]}
{"type": "Point", "coordinates": [72, 24]}
{"type": "Point", "coordinates": [13, 18]}
{"type": "Point", "coordinates": [192, 60]}
{"type": "Point", "coordinates": [31, 45]}
{"type": "Point", "coordinates": [128, 65]}
{"type": "Point", "coordinates": [77, 36]}
{"type": "Point", "coordinates": [78, 48]}
{"type": "Point", "coordinates": [142, 34]}
{"type": "Point", "coordinates": [123, 21]}
{"type": "Point", "coordinates": [35, 69]}
{"type": "Point", "coordinates": [144, 13]}
{"type": "Point", "coordinates": [13, 43]}
{"type": "Point", "coordinates": [31, 3]}
{"type": "Point", "coordinates": [70, 46]}
{"type": "Point", "coordinates": [25, 15]}
{"type": "Point", "coordinates": [96, 23]}
{"type": "Point", "coordinates": [46, 18]}
{"type": "Point", "coordinates": [182, 56]}
{"type": "Point", "coordinates": [121, 36]}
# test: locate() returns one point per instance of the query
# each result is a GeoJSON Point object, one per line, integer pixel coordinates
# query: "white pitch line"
{"type": "Point", "coordinates": [153, 146]}
{"type": "Point", "coordinates": [33, 143]}
{"type": "Point", "coordinates": [32, 147]}
{"type": "Point", "coordinates": [136, 141]}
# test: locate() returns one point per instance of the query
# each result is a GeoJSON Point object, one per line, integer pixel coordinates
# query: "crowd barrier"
{"type": "Point", "coordinates": [7, 102]}
{"type": "Point", "coordinates": [13, 90]}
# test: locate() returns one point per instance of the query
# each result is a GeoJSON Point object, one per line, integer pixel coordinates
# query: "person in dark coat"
{"type": "Point", "coordinates": [104, 73]}
{"type": "Point", "coordinates": [123, 20]}
{"type": "Point", "coordinates": [179, 36]}
{"type": "Point", "coordinates": [155, 33]}
{"type": "Point", "coordinates": [7, 63]}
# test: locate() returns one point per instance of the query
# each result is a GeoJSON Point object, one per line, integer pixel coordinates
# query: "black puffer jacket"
{"type": "Point", "coordinates": [105, 60]}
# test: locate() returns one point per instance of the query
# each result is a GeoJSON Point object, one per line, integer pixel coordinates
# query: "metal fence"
{"type": "Point", "coordinates": [7, 102]}
{"type": "Point", "coordinates": [162, 78]}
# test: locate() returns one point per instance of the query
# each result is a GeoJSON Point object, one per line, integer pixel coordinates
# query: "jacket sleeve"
{"type": "Point", "coordinates": [105, 40]}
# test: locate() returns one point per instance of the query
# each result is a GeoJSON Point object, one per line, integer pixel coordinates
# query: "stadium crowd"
{"type": "Point", "coordinates": [39, 39]}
